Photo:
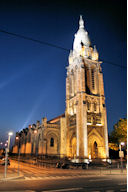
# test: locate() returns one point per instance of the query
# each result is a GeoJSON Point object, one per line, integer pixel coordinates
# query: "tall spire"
{"type": "Point", "coordinates": [81, 23]}
{"type": "Point", "coordinates": [81, 36]}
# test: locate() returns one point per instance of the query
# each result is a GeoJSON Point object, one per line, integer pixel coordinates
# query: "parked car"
{"type": "Point", "coordinates": [65, 166]}
{"type": "Point", "coordinates": [58, 165]}
{"type": "Point", "coordinates": [1, 157]}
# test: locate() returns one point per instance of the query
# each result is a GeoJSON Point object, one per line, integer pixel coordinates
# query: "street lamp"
{"type": "Point", "coordinates": [9, 135]}
{"type": "Point", "coordinates": [121, 155]}
{"type": "Point", "coordinates": [122, 143]}
{"type": "Point", "coordinates": [1, 146]}
{"type": "Point", "coordinates": [1, 143]}
{"type": "Point", "coordinates": [6, 154]}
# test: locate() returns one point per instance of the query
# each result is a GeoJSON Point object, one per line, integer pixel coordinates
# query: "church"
{"type": "Point", "coordinates": [81, 132]}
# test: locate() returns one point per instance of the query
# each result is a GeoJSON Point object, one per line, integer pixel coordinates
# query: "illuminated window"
{"type": "Point", "coordinates": [89, 119]}
{"type": "Point", "coordinates": [98, 120]}
{"type": "Point", "coordinates": [51, 142]}
{"type": "Point", "coordinates": [86, 81]}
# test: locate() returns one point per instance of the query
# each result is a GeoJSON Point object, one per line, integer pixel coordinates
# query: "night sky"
{"type": "Point", "coordinates": [32, 75]}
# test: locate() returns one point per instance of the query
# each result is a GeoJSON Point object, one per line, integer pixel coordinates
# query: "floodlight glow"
{"type": "Point", "coordinates": [35, 131]}
{"type": "Point", "coordinates": [10, 133]}
{"type": "Point", "coordinates": [89, 123]}
{"type": "Point", "coordinates": [99, 124]}
{"type": "Point", "coordinates": [122, 143]}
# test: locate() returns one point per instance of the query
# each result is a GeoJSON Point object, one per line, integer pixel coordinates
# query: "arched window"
{"type": "Point", "coordinates": [95, 144]}
{"type": "Point", "coordinates": [94, 106]}
{"type": "Point", "coordinates": [93, 83]}
{"type": "Point", "coordinates": [87, 84]}
{"type": "Point", "coordinates": [51, 142]}
{"type": "Point", "coordinates": [88, 106]}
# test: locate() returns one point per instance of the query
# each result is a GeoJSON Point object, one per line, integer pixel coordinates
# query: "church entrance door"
{"type": "Point", "coordinates": [95, 150]}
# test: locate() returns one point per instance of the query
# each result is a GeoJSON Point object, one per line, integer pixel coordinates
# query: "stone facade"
{"type": "Point", "coordinates": [81, 132]}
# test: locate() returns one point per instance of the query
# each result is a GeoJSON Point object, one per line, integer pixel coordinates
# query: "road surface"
{"type": "Point", "coordinates": [37, 179]}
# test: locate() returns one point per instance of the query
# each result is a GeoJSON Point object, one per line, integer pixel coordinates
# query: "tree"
{"type": "Point", "coordinates": [119, 133]}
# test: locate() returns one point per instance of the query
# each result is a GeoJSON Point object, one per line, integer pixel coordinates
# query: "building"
{"type": "Point", "coordinates": [81, 132]}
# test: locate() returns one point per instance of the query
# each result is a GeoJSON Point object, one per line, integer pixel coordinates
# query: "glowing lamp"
{"type": "Point", "coordinates": [35, 131]}
{"type": "Point", "coordinates": [10, 133]}
{"type": "Point", "coordinates": [89, 123]}
{"type": "Point", "coordinates": [99, 124]}
{"type": "Point", "coordinates": [122, 143]}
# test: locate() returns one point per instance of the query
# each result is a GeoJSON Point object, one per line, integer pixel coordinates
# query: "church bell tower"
{"type": "Point", "coordinates": [86, 120]}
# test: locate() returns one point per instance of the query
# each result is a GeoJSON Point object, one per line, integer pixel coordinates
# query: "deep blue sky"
{"type": "Point", "coordinates": [32, 76]}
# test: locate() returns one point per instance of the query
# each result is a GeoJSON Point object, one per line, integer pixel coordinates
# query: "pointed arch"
{"type": "Point", "coordinates": [96, 145]}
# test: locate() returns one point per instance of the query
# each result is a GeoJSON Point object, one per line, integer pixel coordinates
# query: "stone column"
{"type": "Point", "coordinates": [81, 127]}
{"type": "Point", "coordinates": [84, 125]}
{"type": "Point", "coordinates": [40, 151]}
{"type": "Point", "coordinates": [97, 80]}
{"type": "Point", "coordinates": [67, 94]}
{"type": "Point", "coordinates": [77, 130]}
{"type": "Point", "coordinates": [82, 79]}
{"type": "Point", "coordinates": [77, 112]}
{"type": "Point", "coordinates": [74, 79]}
{"type": "Point", "coordinates": [78, 85]}
{"type": "Point", "coordinates": [67, 130]}
{"type": "Point", "coordinates": [67, 88]}
{"type": "Point", "coordinates": [101, 84]}
{"type": "Point", "coordinates": [63, 137]}
{"type": "Point", "coordinates": [72, 86]}
{"type": "Point", "coordinates": [106, 133]}
{"type": "Point", "coordinates": [44, 146]}
{"type": "Point", "coordinates": [89, 80]}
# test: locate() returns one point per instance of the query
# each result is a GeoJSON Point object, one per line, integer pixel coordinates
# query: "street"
{"type": "Point", "coordinates": [38, 179]}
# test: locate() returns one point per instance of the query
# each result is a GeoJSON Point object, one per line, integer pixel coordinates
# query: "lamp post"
{"type": "Point", "coordinates": [6, 154]}
{"type": "Point", "coordinates": [121, 155]}
{"type": "Point", "coordinates": [1, 143]}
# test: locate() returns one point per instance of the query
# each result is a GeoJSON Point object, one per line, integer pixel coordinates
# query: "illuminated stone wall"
{"type": "Point", "coordinates": [22, 149]}
{"type": "Point", "coordinates": [15, 149]}
{"type": "Point", "coordinates": [28, 148]}
{"type": "Point", "coordinates": [63, 136]}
